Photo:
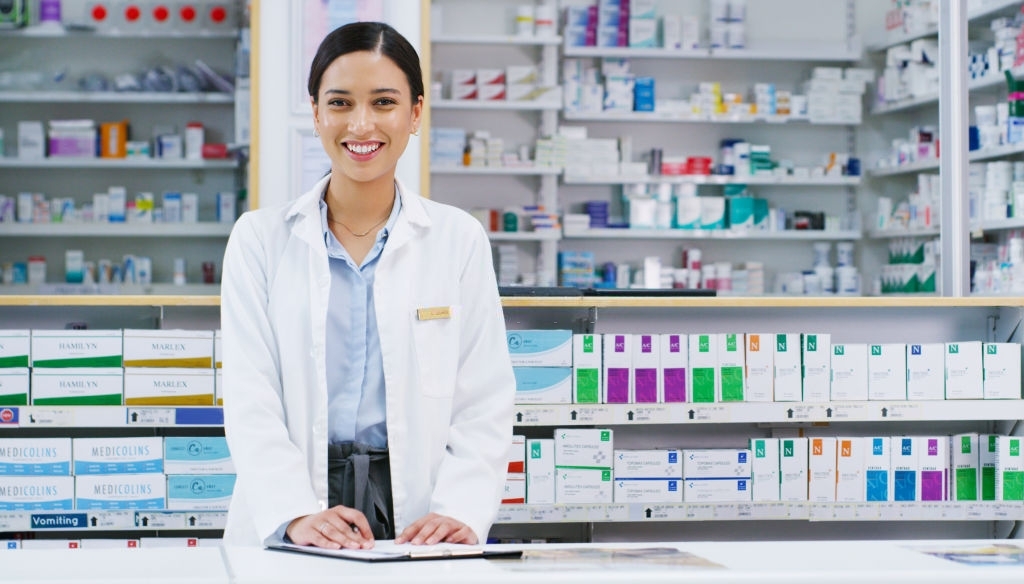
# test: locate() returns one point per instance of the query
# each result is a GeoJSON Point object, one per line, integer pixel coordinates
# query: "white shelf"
{"type": "Point", "coordinates": [489, 39]}
{"type": "Point", "coordinates": [701, 179]}
{"type": "Point", "coordinates": [205, 229]}
{"type": "Point", "coordinates": [989, 8]}
{"type": "Point", "coordinates": [898, 233]}
{"type": "Point", "coordinates": [54, 32]}
{"type": "Point", "coordinates": [543, 235]}
{"type": "Point", "coordinates": [495, 170]}
{"type": "Point", "coordinates": [114, 97]}
{"type": "Point", "coordinates": [469, 104]}
{"type": "Point", "coordinates": [140, 290]}
{"type": "Point", "coordinates": [615, 116]}
{"type": "Point", "coordinates": [120, 163]}
{"type": "Point", "coordinates": [121, 520]}
{"type": "Point", "coordinates": [913, 167]}
{"type": "Point", "coordinates": [766, 51]}
{"type": "Point", "coordinates": [113, 416]}
{"type": "Point", "coordinates": [931, 164]}
{"type": "Point", "coordinates": [766, 412]}
{"type": "Point", "coordinates": [764, 510]}
{"type": "Point", "coordinates": [1000, 224]}
{"type": "Point", "coordinates": [721, 234]}
{"type": "Point", "coordinates": [992, 80]}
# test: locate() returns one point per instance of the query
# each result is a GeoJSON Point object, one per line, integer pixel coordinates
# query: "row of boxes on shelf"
{"type": "Point", "coordinates": [582, 466]}
{"type": "Point", "coordinates": [111, 386]}
{"type": "Point", "coordinates": [513, 83]}
{"type": "Point", "coordinates": [40, 348]}
{"type": "Point", "coordinates": [174, 473]}
{"type": "Point", "coordinates": [114, 206]}
{"type": "Point", "coordinates": [556, 366]}
{"type": "Point", "coordinates": [106, 544]}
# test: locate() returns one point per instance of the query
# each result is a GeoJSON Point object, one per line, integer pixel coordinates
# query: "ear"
{"type": "Point", "coordinates": [417, 115]}
{"type": "Point", "coordinates": [316, 112]}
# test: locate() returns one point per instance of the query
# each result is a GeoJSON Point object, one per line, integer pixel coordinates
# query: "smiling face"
{"type": "Point", "coordinates": [364, 113]}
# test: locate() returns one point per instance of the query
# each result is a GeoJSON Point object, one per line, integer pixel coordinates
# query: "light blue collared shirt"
{"type": "Point", "coordinates": [356, 409]}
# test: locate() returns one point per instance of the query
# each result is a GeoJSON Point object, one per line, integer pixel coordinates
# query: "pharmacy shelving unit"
{"type": "Point", "coordinates": [711, 234]}
{"type": "Point", "coordinates": [112, 52]}
{"type": "Point", "coordinates": [448, 51]}
{"type": "Point", "coordinates": [986, 9]}
{"type": "Point", "coordinates": [687, 425]}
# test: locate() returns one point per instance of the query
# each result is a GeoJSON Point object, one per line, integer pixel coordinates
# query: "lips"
{"type": "Point", "coordinates": [363, 148]}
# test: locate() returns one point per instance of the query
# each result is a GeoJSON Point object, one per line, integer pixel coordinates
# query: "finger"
{"type": "Point", "coordinates": [409, 532]}
{"type": "Point", "coordinates": [322, 542]}
{"type": "Point", "coordinates": [427, 530]}
{"type": "Point", "coordinates": [444, 528]}
{"type": "Point", "coordinates": [340, 533]}
{"type": "Point", "coordinates": [356, 522]}
{"type": "Point", "coordinates": [462, 535]}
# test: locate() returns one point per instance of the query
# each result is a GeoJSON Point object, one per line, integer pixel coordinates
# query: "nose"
{"type": "Point", "coordinates": [361, 121]}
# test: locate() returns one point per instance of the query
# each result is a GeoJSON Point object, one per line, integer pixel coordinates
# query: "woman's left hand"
{"type": "Point", "coordinates": [433, 528]}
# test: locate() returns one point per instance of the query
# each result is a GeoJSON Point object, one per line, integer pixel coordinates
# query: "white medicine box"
{"type": "Point", "coordinates": [926, 372]}
{"type": "Point", "coordinates": [703, 365]}
{"type": "Point", "coordinates": [816, 350]}
{"type": "Point", "coordinates": [849, 372]}
{"type": "Point", "coordinates": [1001, 370]}
{"type": "Point", "coordinates": [964, 370]}
{"type": "Point", "coordinates": [586, 368]}
{"type": "Point", "coordinates": [887, 372]}
{"type": "Point", "coordinates": [731, 363]}
{"type": "Point", "coordinates": [618, 368]}
{"type": "Point", "coordinates": [646, 364]}
{"type": "Point", "coordinates": [788, 381]}
{"type": "Point", "coordinates": [760, 373]}
{"type": "Point", "coordinates": [675, 361]}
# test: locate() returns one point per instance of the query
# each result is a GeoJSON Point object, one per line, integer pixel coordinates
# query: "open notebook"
{"type": "Point", "coordinates": [388, 551]}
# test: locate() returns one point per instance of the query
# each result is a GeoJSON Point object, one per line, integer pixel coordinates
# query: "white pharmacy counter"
{"type": "Point", "coordinates": [841, 562]}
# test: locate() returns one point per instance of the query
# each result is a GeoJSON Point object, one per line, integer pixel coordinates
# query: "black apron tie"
{"type": "Point", "coordinates": [359, 476]}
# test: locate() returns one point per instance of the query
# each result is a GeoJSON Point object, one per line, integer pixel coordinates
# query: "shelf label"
{"type": "Point", "coordinates": [803, 413]}
{"type": "Point", "coordinates": [820, 511]}
{"type": "Point", "coordinates": [545, 513]}
{"type": "Point", "coordinates": [610, 512]}
{"type": "Point", "coordinates": [159, 520]}
{"type": "Point", "coordinates": [931, 511]}
{"type": "Point", "coordinates": [770, 510]}
{"type": "Point", "coordinates": [707, 413]}
{"type": "Point", "coordinates": [37, 416]}
{"type": "Point", "coordinates": [575, 513]}
{"type": "Point", "coordinates": [8, 416]}
{"type": "Point", "coordinates": [658, 512]}
{"type": "Point", "coordinates": [847, 411]}
{"type": "Point", "coordinates": [149, 416]}
{"type": "Point", "coordinates": [112, 520]}
{"type": "Point", "coordinates": [206, 520]}
{"type": "Point", "coordinates": [1004, 511]}
{"type": "Point", "coordinates": [700, 512]}
{"type": "Point", "coordinates": [976, 510]}
{"type": "Point", "coordinates": [895, 411]}
{"type": "Point", "coordinates": [844, 511]}
{"type": "Point", "coordinates": [512, 514]}
{"type": "Point", "coordinates": [869, 511]}
{"type": "Point", "coordinates": [591, 415]}
{"type": "Point", "coordinates": [658, 414]}
{"type": "Point", "coordinates": [537, 416]}
{"type": "Point", "coordinates": [58, 521]}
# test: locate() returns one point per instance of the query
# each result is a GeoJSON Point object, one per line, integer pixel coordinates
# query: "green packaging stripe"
{"type": "Point", "coordinates": [107, 361]}
{"type": "Point", "coordinates": [966, 484]}
{"type": "Point", "coordinates": [988, 483]}
{"type": "Point", "coordinates": [587, 382]}
{"type": "Point", "coordinates": [732, 384]}
{"type": "Point", "coordinates": [15, 399]}
{"type": "Point", "coordinates": [703, 384]}
{"type": "Point", "coordinates": [1013, 486]}
{"type": "Point", "coordinates": [14, 361]}
{"type": "Point", "coordinates": [113, 399]}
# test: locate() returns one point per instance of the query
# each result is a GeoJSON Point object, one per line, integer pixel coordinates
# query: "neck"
{"type": "Point", "coordinates": [360, 202]}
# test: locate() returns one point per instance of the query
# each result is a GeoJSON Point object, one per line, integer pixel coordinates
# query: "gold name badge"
{"type": "Point", "coordinates": [434, 313]}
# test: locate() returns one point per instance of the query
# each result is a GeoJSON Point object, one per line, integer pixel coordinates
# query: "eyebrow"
{"type": "Point", "coordinates": [379, 91]}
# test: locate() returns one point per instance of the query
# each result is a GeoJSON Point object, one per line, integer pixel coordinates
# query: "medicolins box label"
{"type": "Point", "coordinates": [15, 346]}
{"type": "Point", "coordinates": [199, 492]}
{"type": "Point", "coordinates": [168, 348]}
{"type": "Point", "coordinates": [76, 348]}
{"type": "Point", "coordinates": [141, 491]}
{"type": "Point", "coordinates": [108, 456]}
{"type": "Point", "coordinates": [35, 456]}
{"type": "Point", "coordinates": [37, 493]}
{"type": "Point", "coordinates": [197, 455]}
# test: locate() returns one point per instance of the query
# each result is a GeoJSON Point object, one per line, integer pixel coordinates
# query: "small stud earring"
{"type": "Point", "coordinates": [316, 133]}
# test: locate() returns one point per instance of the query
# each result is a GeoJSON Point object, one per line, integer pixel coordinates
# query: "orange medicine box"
{"type": "Point", "coordinates": [114, 139]}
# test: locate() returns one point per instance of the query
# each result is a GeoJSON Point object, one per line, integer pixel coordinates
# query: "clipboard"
{"type": "Point", "coordinates": [403, 553]}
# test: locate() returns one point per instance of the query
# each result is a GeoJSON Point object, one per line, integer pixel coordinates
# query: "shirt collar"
{"type": "Point", "coordinates": [382, 235]}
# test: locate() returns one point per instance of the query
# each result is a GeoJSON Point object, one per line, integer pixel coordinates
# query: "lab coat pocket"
{"type": "Point", "coordinates": [436, 333]}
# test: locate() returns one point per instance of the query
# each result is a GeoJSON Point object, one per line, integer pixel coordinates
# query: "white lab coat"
{"type": "Point", "coordinates": [449, 382]}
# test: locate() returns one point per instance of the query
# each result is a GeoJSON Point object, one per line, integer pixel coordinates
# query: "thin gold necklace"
{"type": "Point", "coordinates": [363, 234]}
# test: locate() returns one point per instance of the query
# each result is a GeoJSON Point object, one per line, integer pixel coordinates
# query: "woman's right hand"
{"type": "Point", "coordinates": [337, 527]}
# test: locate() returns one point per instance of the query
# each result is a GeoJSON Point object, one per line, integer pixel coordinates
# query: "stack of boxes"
{"type": "Point", "coordinates": [542, 363]}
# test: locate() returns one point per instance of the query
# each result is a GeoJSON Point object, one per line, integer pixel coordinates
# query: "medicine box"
{"type": "Point", "coordinates": [514, 492]}
{"type": "Point", "coordinates": [903, 454]}
{"type": "Point", "coordinates": [716, 463]}
{"type": "Point", "coordinates": [816, 351]}
{"type": "Point", "coordinates": [887, 372]}
{"type": "Point", "coordinates": [965, 469]}
{"type": "Point", "coordinates": [218, 386]}
{"type": "Point", "coordinates": [675, 360]}
{"type": "Point", "coordinates": [37, 493]}
{"type": "Point", "coordinates": [543, 385]}
{"type": "Point", "coordinates": [586, 368]}
{"type": "Point", "coordinates": [14, 386]}
{"type": "Point", "coordinates": [618, 366]}
{"type": "Point", "coordinates": [35, 456]}
{"type": "Point", "coordinates": [926, 373]}
{"type": "Point", "coordinates": [15, 348]}
{"type": "Point", "coordinates": [850, 457]}
{"type": "Point", "coordinates": [109, 456]}
{"type": "Point", "coordinates": [648, 490]}
{"type": "Point", "coordinates": [1009, 469]}
{"type": "Point", "coordinates": [849, 372]}
{"type": "Point", "coordinates": [1001, 370]}
{"type": "Point", "coordinates": [764, 468]}
{"type": "Point", "coordinates": [648, 464]}
{"type": "Point", "coordinates": [964, 370]}
{"type": "Point", "coordinates": [731, 364]}
{"type": "Point", "coordinates": [120, 491]}
{"type": "Point", "coordinates": [540, 348]}
{"type": "Point", "coordinates": [517, 454]}
{"type": "Point", "coordinates": [704, 379]}
{"type": "Point", "coordinates": [540, 471]}
{"type": "Point", "coordinates": [877, 468]}
{"type": "Point", "coordinates": [793, 461]}
{"type": "Point", "coordinates": [821, 470]}
{"type": "Point", "coordinates": [646, 363]}
{"type": "Point", "coordinates": [200, 492]}
{"type": "Point", "coordinates": [168, 348]}
{"type": "Point", "coordinates": [583, 485]}
{"type": "Point", "coordinates": [100, 386]}
{"type": "Point", "coordinates": [786, 361]}
{"type": "Point", "coordinates": [933, 467]}
{"type": "Point", "coordinates": [218, 351]}
{"type": "Point", "coordinates": [76, 348]}
{"type": "Point", "coordinates": [583, 448]}
{"type": "Point", "coordinates": [724, 490]}
{"type": "Point", "coordinates": [760, 373]}
{"type": "Point", "coordinates": [197, 455]}
{"type": "Point", "coordinates": [167, 386]}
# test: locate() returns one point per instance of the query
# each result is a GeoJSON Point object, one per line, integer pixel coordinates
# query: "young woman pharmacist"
{"type": "Point", "coordinates": [368, 388]}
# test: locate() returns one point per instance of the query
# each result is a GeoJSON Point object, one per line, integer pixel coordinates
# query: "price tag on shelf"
{"type": "Point", "coordinates": [844, 511]}
{"type": "Point", "coordinates": [770, 510]}
{"type": "Point", "coordinates": [976, 510]}
{"type": "Point", "coordinates": [867, 511]}
{"type": "Point", "coordinates": [849, 411]}
{"type": "Point", "coordinates": [1005, 511]}
{"type": "Point", "coordinates": [904, 510]}
{"type": "Point", "coordinates": [111, 519]}
{"type": "Point", "coordinates": [43, 416]}
{"type": "Point", "coordinates": [150, 416]}
{"type": "Point", "coordinates": [538, 416]}
{"type": "Point", "coordinates": [575, 513]}
{"type": "Point", "coordinates": [610, 512]}
{"type": "Point", "coordinates": [545, 513]}
{"type": "Point", "coordinates": [513, 514]}
{"type": "Point", "coordinates": [707, 413]}
{"type": "Point", "coordinates": [643, 415]}
{"type": "Point", "coordinates": [930, 511]}
{"type": "Point", "coordinates": [591, 415]}
{"type": "Point", "coordinates": [159, 520]}
{"type": "Point", "coordinates": [805, 412]}
{"type": "Point", "coordinates": [659, 512]}
{"type": "Point", "coordinates": [954, 510]}
{"type": "Point", "coordinates": [820, 511]}
{"type": "Point", "coordinates": [206, 520]}
{"type": "Point", "coordinates": [700, 511]}
{"type": "Point", "coordinates": [900, 411]}
{"type": "Point", "coordinates": [14, 521]}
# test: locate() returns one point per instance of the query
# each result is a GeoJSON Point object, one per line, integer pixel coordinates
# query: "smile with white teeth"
{"type": "Point", "coordinates": [363, 148]}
